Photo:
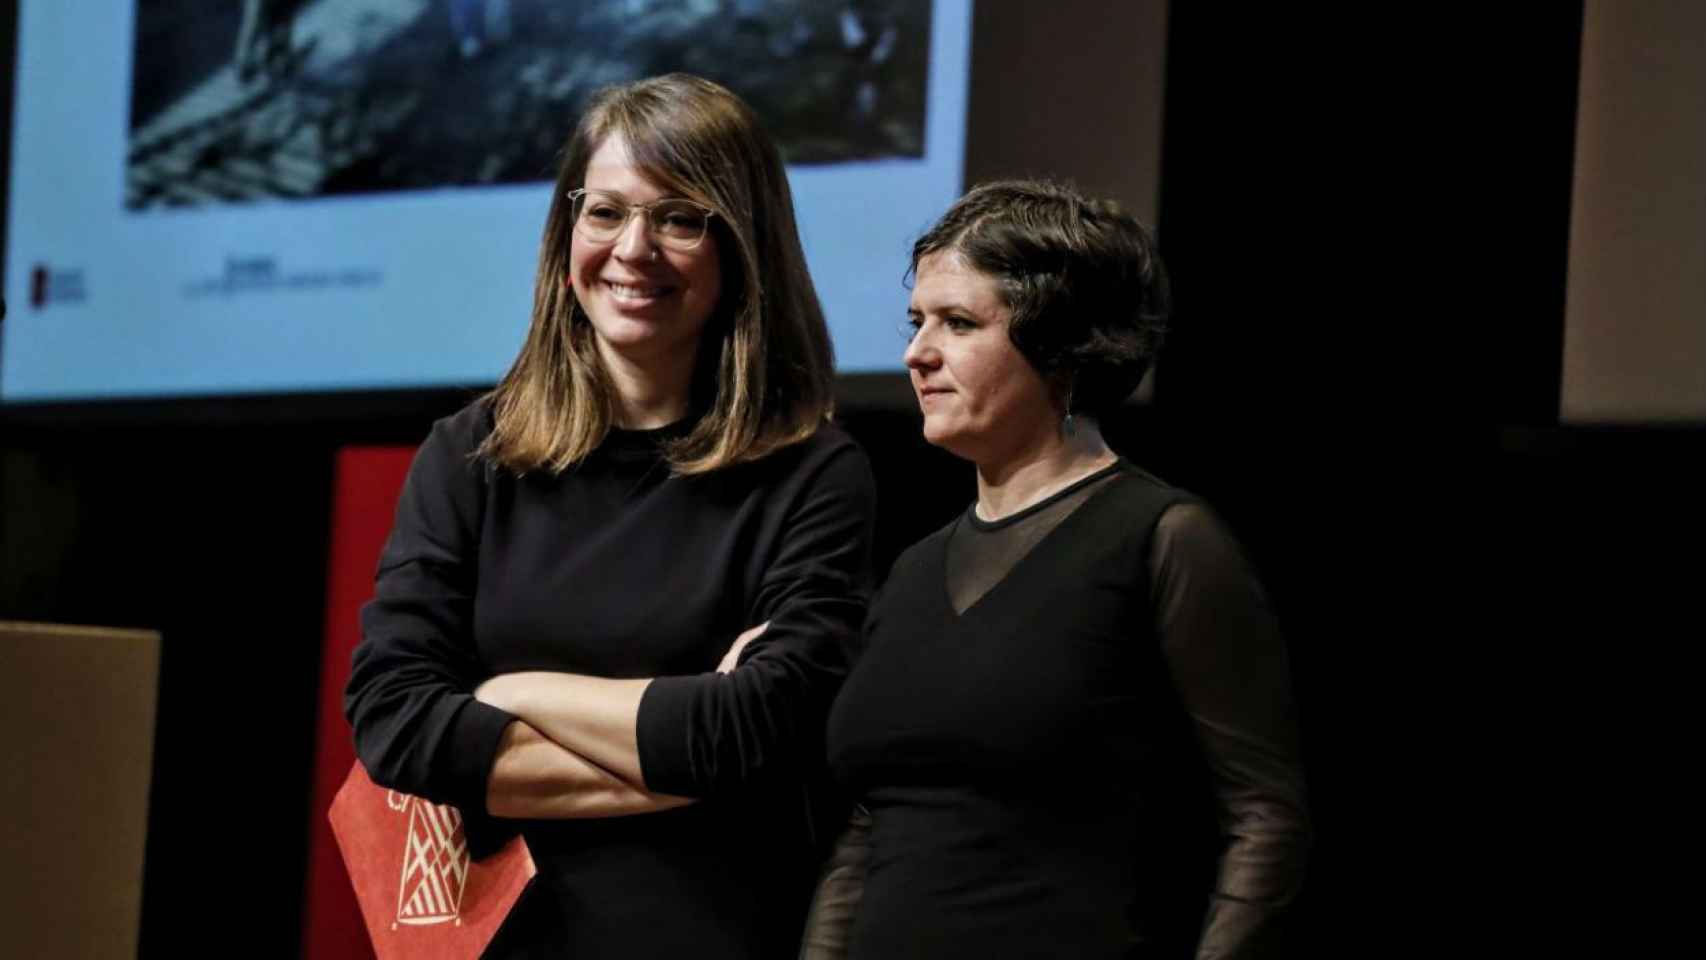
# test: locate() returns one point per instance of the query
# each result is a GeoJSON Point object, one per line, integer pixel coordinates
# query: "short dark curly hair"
{"type": "Point", "coordinates": [1082, 278]}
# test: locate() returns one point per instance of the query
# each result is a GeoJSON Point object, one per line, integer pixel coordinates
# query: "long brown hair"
{"type": "Point", "coordinates": [764, 373]}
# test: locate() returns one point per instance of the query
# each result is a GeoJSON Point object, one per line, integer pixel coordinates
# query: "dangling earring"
{"type": "Point", "coordinates": [1066, 427]}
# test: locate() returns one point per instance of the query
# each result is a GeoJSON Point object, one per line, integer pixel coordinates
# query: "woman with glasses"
{"type": "Point", "coordinates": [618, 595]}
{"type": "Point", "coordinates": [1065, 685]}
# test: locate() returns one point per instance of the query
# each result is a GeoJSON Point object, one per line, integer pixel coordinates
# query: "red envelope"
{"type": "Point", "coordinates": [420, 892]}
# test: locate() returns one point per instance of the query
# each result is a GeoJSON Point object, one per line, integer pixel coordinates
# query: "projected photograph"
{"type": "Point", "coordinates": [242, 100]}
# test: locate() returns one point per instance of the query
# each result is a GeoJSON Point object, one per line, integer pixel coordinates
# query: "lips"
{"type": "Point", "coordinates": [636, 292]}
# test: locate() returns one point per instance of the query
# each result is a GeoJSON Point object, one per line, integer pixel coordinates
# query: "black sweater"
{"type": "Point", "coordinates": [615, 568]}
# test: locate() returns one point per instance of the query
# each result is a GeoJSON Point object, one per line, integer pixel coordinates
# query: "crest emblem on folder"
{"type": "Point", "coordinates": [435, 862]}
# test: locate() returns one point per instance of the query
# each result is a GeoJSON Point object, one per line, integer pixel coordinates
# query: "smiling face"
{"type": "Point", "coordinates": [647, 304]}
{"type": "Point", "coordinates": [981, 399]}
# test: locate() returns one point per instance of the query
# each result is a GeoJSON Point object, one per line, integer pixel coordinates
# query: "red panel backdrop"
{"type": "Point", "coordinates": [366, 482]}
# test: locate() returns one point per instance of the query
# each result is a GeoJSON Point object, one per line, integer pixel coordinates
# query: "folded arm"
{"type": "Point", "coordinates": [692, 735]}
{"type": "Point", "coordinates": [594, 719]}
{"type": "Point", "coordinates": [534, 778]}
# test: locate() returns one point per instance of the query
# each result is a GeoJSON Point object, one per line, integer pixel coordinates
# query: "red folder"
{"type": "Point", "coordinates": [420, 892]}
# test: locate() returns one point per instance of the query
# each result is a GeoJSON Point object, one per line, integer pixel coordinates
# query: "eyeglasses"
{"type": "Point", "coordinates": [674, 223]}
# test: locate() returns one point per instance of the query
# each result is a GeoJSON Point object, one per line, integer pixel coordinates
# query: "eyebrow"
{"type": "Point", "coordinates": [946, 306]}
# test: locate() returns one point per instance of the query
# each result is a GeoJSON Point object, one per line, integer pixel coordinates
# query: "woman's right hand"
{"type": "Point", "coordinates": [732, 658]}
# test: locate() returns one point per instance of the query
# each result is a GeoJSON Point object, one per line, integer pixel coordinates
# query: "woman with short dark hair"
{"type": "Point", "coordinates": [1048, 678]}
{"type": "Point", "coordinates": [617, 598]}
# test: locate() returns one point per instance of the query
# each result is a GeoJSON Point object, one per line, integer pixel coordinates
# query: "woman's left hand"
{"type": "Point", "coordinates": [732, 658]}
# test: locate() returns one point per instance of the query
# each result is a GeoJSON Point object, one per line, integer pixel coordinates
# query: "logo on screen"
{"type": "Point", "coordinates": [55, 286]}
{"type": "Point", "coordinates": [265, 274]}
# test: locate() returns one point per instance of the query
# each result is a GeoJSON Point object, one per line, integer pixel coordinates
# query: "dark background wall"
{"type": "Point", "coordinates": [1366, 215]}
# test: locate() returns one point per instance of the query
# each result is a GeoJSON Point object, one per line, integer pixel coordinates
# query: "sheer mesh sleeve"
{"type": "Point", "coordinates": [1227, 660]}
